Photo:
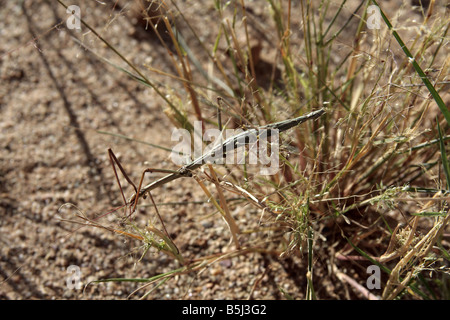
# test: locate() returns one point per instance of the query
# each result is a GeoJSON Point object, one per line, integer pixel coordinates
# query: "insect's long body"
{"type": "Point", "coordinates": [290, 123]}
{"type": "Point", "coordinates": [232, 143]}
{"type": "Point", "coordinates": [247, 137]}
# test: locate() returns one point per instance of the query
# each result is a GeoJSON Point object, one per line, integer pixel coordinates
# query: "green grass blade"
{"type": "Point", "coordinates": [121, 280]}
{"type": "Point", "coordinates": [445, 111]}
{"type": "Point", "coordinates": [154, 288]}
{"type": "Point", "coordinates": [310, 293]}
{"type": "Point", "coordinates": [445, 253]}
{"type": "Point", "coordinates": [121, 136]}
{"type": "Point", "coordinates": [444, 157]}
{"type": "Point", "coordinates": [429, 214]}
{"type": "Point", "coordinates": [361, 252]}
{"type": "Point", "coordinates": [344, 27]}
{"type": "Point", "coordinates": [154, 278]}
{"type": "Point", "coordinates": [387, 270]}
{"type": "Point", "coordinates": [427, 286]}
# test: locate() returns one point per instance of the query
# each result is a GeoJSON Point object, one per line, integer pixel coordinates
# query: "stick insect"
{"type": "Point", "coordinates": [231, 143]}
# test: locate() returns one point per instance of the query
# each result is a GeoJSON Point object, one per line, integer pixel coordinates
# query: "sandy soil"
{"type": "Point", "coordinates": [54, 97]}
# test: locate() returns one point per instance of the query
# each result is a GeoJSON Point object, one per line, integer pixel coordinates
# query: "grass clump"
{"type": "Point", "coordinates": [365, 184]}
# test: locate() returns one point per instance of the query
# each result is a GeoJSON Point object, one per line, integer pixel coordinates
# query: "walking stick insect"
{"type": "Point", "coordinates": [186, 171]}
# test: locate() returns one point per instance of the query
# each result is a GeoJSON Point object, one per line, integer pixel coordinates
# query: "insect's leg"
{"type": "Point", "coordinates": [113, 159]}
{"type": "Point", "coordinates": [161, 220]}
{"type": "Point", "coordinates": [151, 197]}
{"type": "Point", "coordinates": [138, 190]}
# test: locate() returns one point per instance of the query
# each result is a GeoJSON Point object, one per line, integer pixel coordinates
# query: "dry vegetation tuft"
{"type": "Point", "coordinates": [366, 184]}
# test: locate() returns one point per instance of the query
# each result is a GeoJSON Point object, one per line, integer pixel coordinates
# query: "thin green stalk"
{"type": "Point", "coordinates": [445, 111]}
{"type": "Point", "coordinates": [310, 294]}
{"type": "Point", "coordinates": [344, 27]}
{"type": "Point", "coordinates": [121, 136]}
{"type": "Point", "coordinates": [444, 157]}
